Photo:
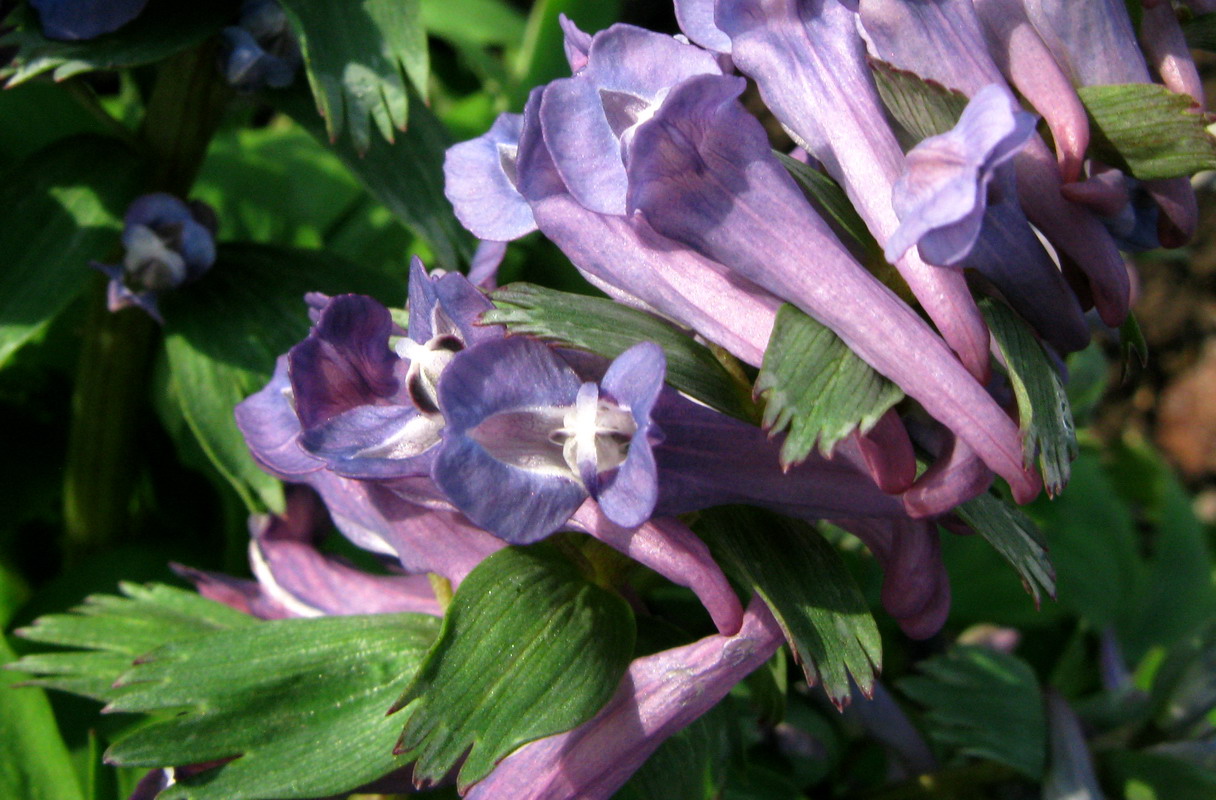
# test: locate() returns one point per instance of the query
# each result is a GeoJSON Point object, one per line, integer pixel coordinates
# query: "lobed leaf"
{"type": "Point", "coordinates": [257, 290]}
{"type": "Point", "coordinates": [298, 704]}
{"type": "Point", "coordinates": [112, 631]}
{"type": "Point", "coordinates": [609, 329]}
{"type": "Point", "coordinates": [816, 389]}
{"type": "Point", "coordinates": [984, 703]}
{"type": "Point", "coordinates": [922, 107]}
{"type": "Point", "coordinates": [62, 207]}
{"type": "Point", "coordinates": [529, 648]}
{"type": "Point", "coordinates": [160, 31]}
{"type": "Point", "coordinates": [1147, 130]}
{"type": "Point", "coordinates": [358, 57]}
{"type": "Point", "coordinates": [809, 590]}
{"type": "Point", "coordinates": [1015, 537]}
{"type": "Point", "coordinates": [1044, 415]}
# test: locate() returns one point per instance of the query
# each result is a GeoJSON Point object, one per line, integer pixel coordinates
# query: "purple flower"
{"type": "Point", "coordinates": [659, 695]}
{"type": "Point", "coordinates": [73, 20]}
{"type": "Point", "coordinates": [168, 243]}
{"type": "Point", "coordinates": [261, 49]}
{"type": "Point", "coordinates": [370, 410]}
{"type": "Point", "coordinates": [526, 441]}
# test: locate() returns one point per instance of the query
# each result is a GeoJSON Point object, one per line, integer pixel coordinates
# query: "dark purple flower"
{"type": "Point", "coordinates": [370, 410]}
{"type": "Point", "coordinates": [261, 49]}
{"type": "Point", "coordinates": [168, 243]}
{"type": "Point", "coordinates": [73, 20]}
{"type": "Point", "coordinates": [527, 441]}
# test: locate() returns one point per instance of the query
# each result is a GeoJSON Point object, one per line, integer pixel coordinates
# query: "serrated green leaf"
{"type": "Point", "coordinates": [358, 57]}
{"type": "Point", "coordinates": [301, 701]}
{"type": "Point", "coordinates": [922, 107]}
{"type": "Point", "coordinates": [529, 648]}
{"type": "Point", "coordinates": [1200, 32]}
{"type": "Point", "coordinates": [689, 765]}
{"type": "Point", "coordinates": [1147, 130]}
{"type": "Point", "coordinates": [809, 589]}
{"type": "Point", "coordinates": [831, 198]}
{"type": "Point", "coordinates": [161, 31]}
{"type": "Point", "coordinates": [609, 329]}
{"type": "Point", "coordinates": [405, 175]}
{"type": "Point", "coordinates": [257, 291]}
{"type": "Point", "coordinates": [985, 703]}
{"type": "Point", "coordinates": [816, 389]}
{"type": "Point", "coordinates": [481, 22]}
{"type": "Point", "coordinates": [34, 762]}
{"type": "Point", "coordinates": [1015, 537]}
{"type": "Point", "coordinates": [62, 207]}
{"type": "Point", "coordinates": [1044, 415]}
{"type": "Point", "coordinates": [112, 631]}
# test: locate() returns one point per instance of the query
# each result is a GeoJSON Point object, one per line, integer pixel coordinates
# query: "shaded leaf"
{"type": "Point", "coordinates": [62, 207]}
{"type": "Point", "coordinates": [1147, 130]}
{"type": "Point", "coordinates": [1015, 537]}
{"type": "Point", "coordinates": [1132, 341]}
{"type": "Point", "coordinates": [358, 57]}
{"type": "Point", "coordinates": [922, 107]}
{"type": "Point", "coordinates": [257, 291]}
{"type": "Point", "coordinates": [1184, 688]}
{"type": "Point", "coordinates": [1044, 415]}
{"type": "Point", "coordinates": [405, 175]}
{"type": "Point", "coordinates": [686, 766]}
{"type": "Point", "coordinates": [816, 389]}
{"type": "Point", "coordinates": [810, 591]}
{"type": "Point", "coordinates": [984, 703]}
{"type": "Point", "coordinates": [34, 762]}
{"type": "Point", "coordinates": [529, 648]}
{"type": "Point", "coordinates": [157, 33]}
{"type": "Point", "coordinates": [112, 631]}
{"type": "Point", "coordinates": [831, 198]}
{"type": "Point", "coordinates": [608, 329]}
{"type": "Point", "coordinates": [300, 701]}
{"type": "Point", "coordinates": [1200, 32]}
{"type": "Point", "coordinates": [1151, 776]}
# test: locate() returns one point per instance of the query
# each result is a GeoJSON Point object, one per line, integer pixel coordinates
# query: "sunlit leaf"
{"type": "Point", "coordinates": [1147, 130]}
{"type": "Point", "coordinates": [300, 701]}
{"type": "Point", "coordinates": [817, 390]}
{"type": "Point", "coordinates": [1015, 537]}
{"type": "Point", "coordinates": [809, 589]}
{"type": "Point", "coordinates": [609, 329]}
{"type": "Point", "coordinates": [529, 648]}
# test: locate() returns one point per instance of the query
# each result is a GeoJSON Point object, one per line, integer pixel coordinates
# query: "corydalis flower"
{"type": "Point", "coordinates": [523, 428]}
{"type": "Point", "coordinates": [74, 20]}
{"type": "Point", "coordinates": [368, 409]}
{"type": "Point", "coordinates": [168, 243]}
{"type": "Point", "coordinates": [261, 50]}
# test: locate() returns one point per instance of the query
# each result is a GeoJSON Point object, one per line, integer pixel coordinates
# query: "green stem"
{"type": "Point", "coordinates": [110, 396]}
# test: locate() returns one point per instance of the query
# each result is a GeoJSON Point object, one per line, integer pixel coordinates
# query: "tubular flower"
{"type": "Point", "coordinates": [261, 49]}
{"type": "Point", "coordinates": [168, 243]}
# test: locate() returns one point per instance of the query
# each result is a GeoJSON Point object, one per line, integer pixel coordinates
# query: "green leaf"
{"type": "Point", "coordinates": [984, 703]}
{"type": "Point", "coordinates": [406, 175]}
{"type": "Point", "coordinates": [358, 57]}
{"type": "Point", "coordinates": [609, 329]}
{"type": "Point", "coordinates": [161, 31]}
{"type": "Point", "coordinates": [816, 388]}
{"type": "Point", "coordinates": [688, 765]}
{"type": "Point", "coordinates": [34, 762]}
{"type": "Point", "coordinates": [922, 107]}
{"type": "Point", "coordinates": [1015, 537]}
{"type": "Point", "coordinates": [1200, 32]}
{"type": "Point", "coordinates": [1044, 415]}
{"type": "Point", "coordinates": [300, 701]}
{"type": "Point", "coordinates": [480, 22]}
{"type": "Point", "coordinates": [1184, 688]}
{"type": "Point", "coordinates": [112, 631]}
{"type": "Point", "coordinates": [829, 197]}
{"type": "Point", "coordinates": [1151, 776]}
{"type": "Point", "coordinates": [1147, 130]}
{"type": "Point", "coordinates": [1132, 341]}
{"type": "Point", "coordinates": [61, 207]}
{"type": "Point", "coordinates": [809, 589]}
{"type": "Point", "coordinates": [529, 648]}
{"type": "Point", "coordinates": [257, 291]}
{"type": "Point", "coordinates": [48, 112]}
